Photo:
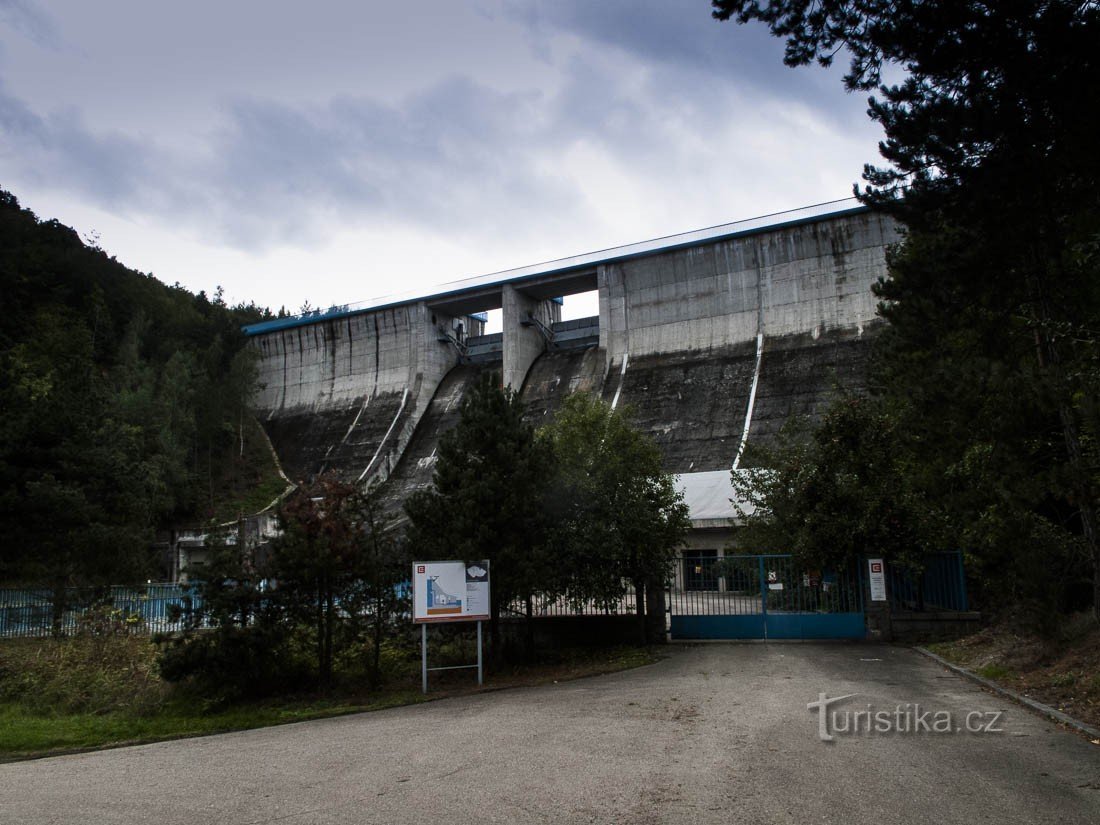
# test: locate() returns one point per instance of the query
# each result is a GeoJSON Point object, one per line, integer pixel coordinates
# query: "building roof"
{"type": "Point", "coordinates": [709, 497]}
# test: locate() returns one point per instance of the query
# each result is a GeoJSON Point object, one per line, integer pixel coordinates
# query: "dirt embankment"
{"type": "Point", "coordinates": [1063, 672]}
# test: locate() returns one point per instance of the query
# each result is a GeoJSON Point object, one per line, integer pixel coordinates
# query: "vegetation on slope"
{"type": "Point", "coordinates": [1060, 670]}
{"type": "Point", "coordinates": [125, 409]}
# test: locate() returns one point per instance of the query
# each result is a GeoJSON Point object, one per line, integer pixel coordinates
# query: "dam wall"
{"type": "Point", "coordinates": [713, 339]}
{"type": "Point", "coordinates": [803, 278]}
{"type": "Point", "coordinates": [716, 346]}
{"type": "Point", "coordinates": [344, 394]}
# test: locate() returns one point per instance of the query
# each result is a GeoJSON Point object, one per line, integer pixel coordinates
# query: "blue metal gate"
{"type": "Point", "coordinates": [763, 597]}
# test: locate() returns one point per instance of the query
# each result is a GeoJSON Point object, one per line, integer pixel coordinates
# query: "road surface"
{"type": "Point", "coordinates": [714, 733]}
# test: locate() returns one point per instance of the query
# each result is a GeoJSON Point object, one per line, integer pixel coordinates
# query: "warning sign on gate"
{"type": "Point", "coordinates": [877, 579]}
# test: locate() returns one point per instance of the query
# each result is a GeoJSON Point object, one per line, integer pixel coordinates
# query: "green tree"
{"type": "Point", "coordinates": [488, 500]}
{"type": "Point", "coordinates": [993, 297]}
{"type": "Point", "coordinates": [236, 642]}
{"type": "Point", "coordinates": [320, 561]}
{"type": "Point", "coordinates": [76, 489]}
{"type": "Point", "coordinates": [125, 405]}
{"type": "Point", "coordinates": [329, 583]}
{"type": "Point", "coordinates": [617, 516]}
{"type": "Point", "coordinates": [384, 567]}
{"type": "Point", "coordinates": [339, 569]}
{"type": "Point", "coordinates": [837, 493]}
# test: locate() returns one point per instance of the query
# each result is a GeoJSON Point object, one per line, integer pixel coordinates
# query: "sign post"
{"type": "Point", "coordinates": [449, 591]}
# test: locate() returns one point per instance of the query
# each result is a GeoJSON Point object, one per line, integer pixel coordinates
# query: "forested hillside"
{"type": "Point", "coordinates": [124, 409]}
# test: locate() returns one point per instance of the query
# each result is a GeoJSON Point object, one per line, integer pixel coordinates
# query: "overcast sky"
{"type": "Point", "coordinates": [337, 151]}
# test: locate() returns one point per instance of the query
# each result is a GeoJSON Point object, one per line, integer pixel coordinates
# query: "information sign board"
{"type": "Point", "coordinates": [450, 591]}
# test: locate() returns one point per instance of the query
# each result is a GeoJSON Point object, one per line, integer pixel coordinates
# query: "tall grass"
{"type": "Point", "coordinates": [83, 674]}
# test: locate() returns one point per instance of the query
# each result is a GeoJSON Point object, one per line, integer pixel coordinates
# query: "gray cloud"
{"type": "Point", "coordinates": [58, 150]}
{"type": "Point", "coordinates": [681, 36]}
{"type": "Point", "coordinates": [647, 87]}
{"type": "Point", "coordinates": [31, 21]}
{"type": "Point", "coordinates": [457, 154]}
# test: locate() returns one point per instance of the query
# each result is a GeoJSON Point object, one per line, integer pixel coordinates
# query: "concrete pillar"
{"type": "Point", "coordinates": [429, 358]}
{"type": "Point", "coordinates": [523, 344]}
{"type": "Point", "coordinates": [613, 315]}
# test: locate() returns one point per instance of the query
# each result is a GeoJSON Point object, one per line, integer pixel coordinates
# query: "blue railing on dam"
{"type": "Point", "coordinates": [315, 315]}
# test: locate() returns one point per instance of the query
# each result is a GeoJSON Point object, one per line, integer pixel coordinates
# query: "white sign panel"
{"type": "Point", "coordinates": [450, 591]}
{"type": "Point", "coordinates": [877, 579]}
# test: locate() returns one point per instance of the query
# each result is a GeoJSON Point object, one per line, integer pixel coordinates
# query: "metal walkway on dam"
{"type": "Point", "coordinates": [714, 338]}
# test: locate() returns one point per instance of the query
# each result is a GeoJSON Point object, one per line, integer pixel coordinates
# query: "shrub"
{"type": "Point", "coordinates": [233, 662]}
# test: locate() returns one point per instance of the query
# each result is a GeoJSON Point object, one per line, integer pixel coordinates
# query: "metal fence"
{"type": "Point", "coordinates": [542, 606]}
{"type": "Point", "coordinates": [701, 585]}
{"type": "Point", "coordinates": [939, 585]}
{"type": "Point", "coordinates": [742, 585]}
{"type": "Point", "coordinates": [150, 608]}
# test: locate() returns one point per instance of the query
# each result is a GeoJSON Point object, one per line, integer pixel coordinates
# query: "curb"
{"type": "Point", "coordinates": [1038, 707]}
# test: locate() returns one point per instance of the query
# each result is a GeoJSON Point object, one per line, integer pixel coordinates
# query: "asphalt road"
{"type": "Point", "coordinates": [715, 733]}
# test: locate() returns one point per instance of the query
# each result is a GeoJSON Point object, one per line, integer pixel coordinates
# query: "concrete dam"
{"type": "Point", "coordinates": [714, 338]}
